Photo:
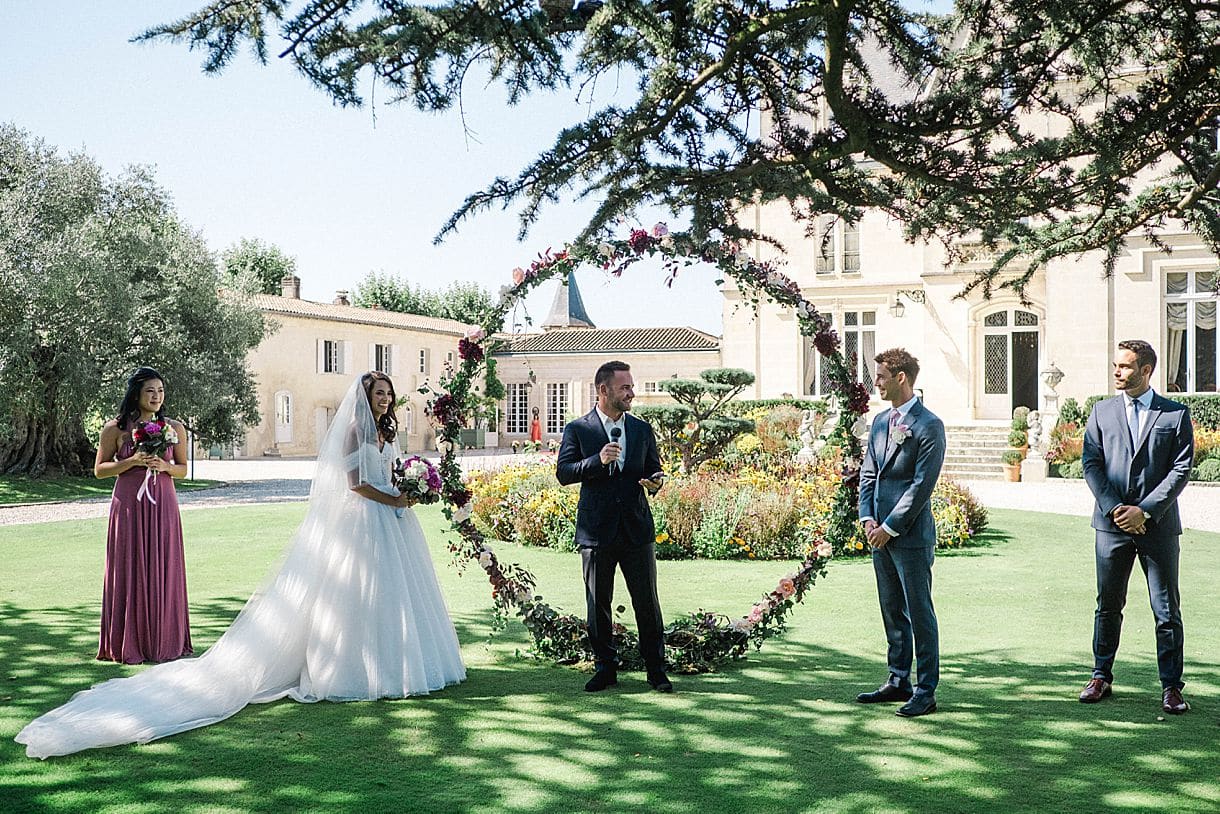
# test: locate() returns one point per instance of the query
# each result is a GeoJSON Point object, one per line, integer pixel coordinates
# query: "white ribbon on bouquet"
{"type": "Point", "coordinates": [145, 488]}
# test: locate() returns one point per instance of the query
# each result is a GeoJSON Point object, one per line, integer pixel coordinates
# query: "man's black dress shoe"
{"type": "Point", "coordinates": [887, 692]}
{"type": "Point", "coordinates": [660, 682]}
{"type": "Point", "coordinates": [601, 680]}
{"type": "Point", "coordinates": [921, 704]}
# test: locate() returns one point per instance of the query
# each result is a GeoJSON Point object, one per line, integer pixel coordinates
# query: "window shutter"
{"type": "Point", "coordinates": [345, 352]}
{"type": "Point", "coordinates": [372, 356]}
{"type": "Point", "coordinates": [394, 351]}
{"type": "Point", "coordinates": [321, 355]}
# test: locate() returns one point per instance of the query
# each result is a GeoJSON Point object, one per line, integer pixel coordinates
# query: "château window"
{"type": "Point", "coordinates": [1190, 332]}
{"type": "Point", "coordinates": [838, 247]}
{"type": "Point", "coordinates": [517, 415]}
{"type": "Point", "coordinates": [858, 332]}
{"type": "Point", "coordinates": [556, 406]}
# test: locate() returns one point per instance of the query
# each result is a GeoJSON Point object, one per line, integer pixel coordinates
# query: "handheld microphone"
{"type": "Point", "coordinates": [615, 432]}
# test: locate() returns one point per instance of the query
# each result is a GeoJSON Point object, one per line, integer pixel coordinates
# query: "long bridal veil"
{"type": "Point", "coordinates": [353, 612]}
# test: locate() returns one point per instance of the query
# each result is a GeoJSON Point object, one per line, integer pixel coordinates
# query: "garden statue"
{"type": "Point", "coordinates": [1035, 434]}
{"type": "Point", "coordinates": [1034, 468]}
{"type": "Point", "coordinates": [808, 435]}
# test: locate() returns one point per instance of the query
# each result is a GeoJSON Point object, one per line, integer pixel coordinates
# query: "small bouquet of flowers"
{"type": "Point", "coordinates": [153, 438]}
{"type": "Point", "coordinates": [416, 477]}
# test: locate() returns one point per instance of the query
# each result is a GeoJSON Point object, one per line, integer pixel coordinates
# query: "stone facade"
{"type": "Point", "coordinates": [306, 364]}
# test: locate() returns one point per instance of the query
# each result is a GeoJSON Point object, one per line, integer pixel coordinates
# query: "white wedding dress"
{"type": "Point", "coordinates": [353, 613]}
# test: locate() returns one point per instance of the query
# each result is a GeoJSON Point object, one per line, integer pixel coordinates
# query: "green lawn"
{"type": "Point", "coordinates": [18, 489]}
{"type": "Point", "coordinates": [778, 732]}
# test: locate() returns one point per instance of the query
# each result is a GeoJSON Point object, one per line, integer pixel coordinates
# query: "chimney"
{"type": "Point", "coordinates": [341, 297]}
{"type": "Point", "coordinates": [290, 287]}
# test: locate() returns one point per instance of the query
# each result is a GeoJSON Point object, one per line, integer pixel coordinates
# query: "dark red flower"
{"type": "Point", "coordinates": [640, 241]}
{"type": "Point", "coordinates": [858, 398]}
{"type": "Point", "coordinates": [470, 350]}
{"type": "Point", "coordinates": [827, 342]}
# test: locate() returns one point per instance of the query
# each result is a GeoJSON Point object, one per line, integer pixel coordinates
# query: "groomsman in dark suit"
{"type": "Point", "coordinates": [906, 447]}
{"type": "Point", "coordinates": [613, 456]}
{"type": "Point", "coordinates": [1138, 449]}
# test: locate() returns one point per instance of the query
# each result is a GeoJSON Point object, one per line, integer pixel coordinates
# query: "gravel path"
{"type": "Point", "coordinates": [272, 480]}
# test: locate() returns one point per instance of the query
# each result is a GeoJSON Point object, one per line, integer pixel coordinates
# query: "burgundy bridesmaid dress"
{"type": "Point", "coordinates": [144, 609]}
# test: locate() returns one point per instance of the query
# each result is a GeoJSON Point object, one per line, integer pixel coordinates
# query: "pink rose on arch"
{"type": "Point", "coordinates": [786, 587]}
{"type": "Point", "coordinates": [518, 276]}
{"type": "Point", "coordinates": [756, 614]}
{"type": "Point", "coordinates": [660, 230]}
{"type": "Point", "coordinates": [475, 334]}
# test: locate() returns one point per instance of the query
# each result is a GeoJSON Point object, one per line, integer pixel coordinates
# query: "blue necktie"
{"type": "Point", "coordinates": [1133, 423]}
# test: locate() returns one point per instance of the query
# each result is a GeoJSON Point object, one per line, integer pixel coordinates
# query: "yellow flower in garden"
{"type": "Point", "coordinates": [663, 537]}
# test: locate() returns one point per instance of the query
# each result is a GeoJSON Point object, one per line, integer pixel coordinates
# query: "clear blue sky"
{"type": "Point", "coordinates": [259, 152]}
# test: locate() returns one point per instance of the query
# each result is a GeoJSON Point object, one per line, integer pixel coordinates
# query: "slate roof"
{"type": "Point", "coordinates": [290, 306]}
{"type": "Point", "coordinates": [568, 309]}
{"type": "Point", "coordinates": [619, 340]}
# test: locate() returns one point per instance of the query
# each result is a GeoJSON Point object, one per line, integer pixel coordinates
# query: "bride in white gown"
{"type": "Point", "coordinates": [354, 613]}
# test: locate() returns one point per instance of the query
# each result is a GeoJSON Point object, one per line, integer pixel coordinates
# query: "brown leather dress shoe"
{"type": "Point", "coordinates": [1095, 690]}
{"type": "Point", "coordinates": [1173, 702]}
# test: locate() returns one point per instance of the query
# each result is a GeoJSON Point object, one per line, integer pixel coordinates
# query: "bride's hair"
{"type": "Point", "coordinates": [387, 425]}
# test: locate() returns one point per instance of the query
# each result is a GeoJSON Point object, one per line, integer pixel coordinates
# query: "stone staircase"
{"type": "Point", "coordinates": [973, 451]}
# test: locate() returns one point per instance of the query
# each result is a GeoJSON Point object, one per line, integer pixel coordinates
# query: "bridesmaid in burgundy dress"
{"type": "Point", "coordinates": [144, 609]}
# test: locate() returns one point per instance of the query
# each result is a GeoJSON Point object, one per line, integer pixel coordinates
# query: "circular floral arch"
{"type": "Point", "coordinates": [697, 641]}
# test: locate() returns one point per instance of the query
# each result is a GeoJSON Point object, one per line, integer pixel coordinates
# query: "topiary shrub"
{"type": "Point", "coordinates": [1208, 470]}
{"type": "Point", "coordinates": [1018, 438]}
{"type": "Point", "coordinates": [1070, 412]}
{"type": "Point", "coordinates": [1020, 418]}
{"type": "Point", "coordinates": [1011, 457]}
{"type": "Point", "coordinates": [1075, 469]}
{"type": "Point", "coordinates": [1088, 404]}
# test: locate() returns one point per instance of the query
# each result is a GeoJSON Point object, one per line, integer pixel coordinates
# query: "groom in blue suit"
{"type": "Point", "coordinates": [1138, 449]}
{"type": "Point", "coordinates": [906, 447]}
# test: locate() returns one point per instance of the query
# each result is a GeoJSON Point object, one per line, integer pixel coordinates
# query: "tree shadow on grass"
{"type": "Point", "coordinates": [777, 732]}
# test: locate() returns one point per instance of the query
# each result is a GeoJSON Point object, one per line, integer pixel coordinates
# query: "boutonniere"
{"type": "Point", "coordinates": [901, 433]}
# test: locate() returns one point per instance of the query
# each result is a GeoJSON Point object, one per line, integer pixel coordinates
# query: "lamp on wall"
{"type": "Point", "coordinates": [914, 295]}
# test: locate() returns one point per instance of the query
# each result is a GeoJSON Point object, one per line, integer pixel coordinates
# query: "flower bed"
{"type": "Point", "coordinates": [779, 513]}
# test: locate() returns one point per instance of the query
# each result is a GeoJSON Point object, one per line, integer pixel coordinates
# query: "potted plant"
{"type": "Point", "coordinates": [1012, 464]}
{"type": "Point", "coordinates": [1018, 439]}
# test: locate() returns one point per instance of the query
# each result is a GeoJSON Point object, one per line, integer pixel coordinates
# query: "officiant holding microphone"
{"type": "Point", "coordinates": [613, 456]}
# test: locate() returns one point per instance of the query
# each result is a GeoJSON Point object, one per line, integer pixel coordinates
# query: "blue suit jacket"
{"type": "Point", "coordinates": [608, 500]}
{"type": "Point", "coordinates": [1151, 476]}
{"type": "Point", "coordinates": [896, 488]}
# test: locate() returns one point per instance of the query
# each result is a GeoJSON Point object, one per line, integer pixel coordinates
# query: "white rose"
{"type": "Point", "coordinates": [605, 250]}
{"type": "Point", "coordinates": [461, 514]}
{"type": "Point", "coordinates": [485, 559]}
{"type": "Point", "coordinates": [667, 242]}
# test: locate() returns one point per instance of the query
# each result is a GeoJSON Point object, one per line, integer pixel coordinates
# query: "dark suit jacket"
{"type": "Point", "coordinates": [1151, 476]}
{"type": "Point", "coordinates": [896, 481]}
{"type": "Point", "coordinates": [607, 500]}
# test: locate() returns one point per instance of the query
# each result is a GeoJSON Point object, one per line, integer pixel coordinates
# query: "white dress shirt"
{"type": "Point", "coordinates": [621, 423]}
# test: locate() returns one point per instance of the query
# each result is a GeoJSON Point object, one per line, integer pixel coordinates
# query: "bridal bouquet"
{"type": "Point", "coordinates": [418, 478]}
